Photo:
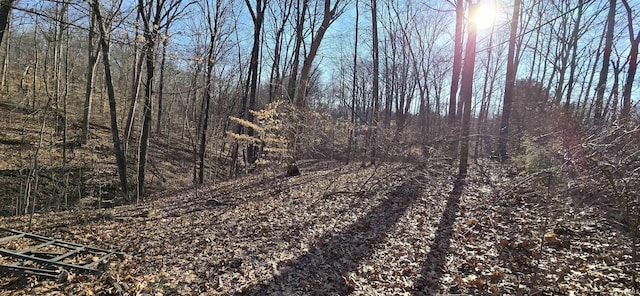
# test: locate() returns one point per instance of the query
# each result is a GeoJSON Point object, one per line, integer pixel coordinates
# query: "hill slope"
{"type": "Point", "coordinates": [395, 228]}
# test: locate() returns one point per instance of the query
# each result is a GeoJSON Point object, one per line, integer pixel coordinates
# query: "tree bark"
{"type": "Point", "coordinates": [575, 36]}
{"type": "Point", "coordinates": [598, 118]}
{"type": "Point", "coordinates": [376, 78]}
{"type": "Point", "coordinates": [329, 15]}
{"type": "Point", "coordinates": [251, 89]}
{"type": "Point", "coordinates": [163, 59]}
{"type": "Point", "coordinates": [211, 58]}
{"type": "Point", "coordinates": [509, 84]}
{"type": "Point", "coordinates": [5, 60]}
{"type": "Point", "coordinates": [5, 10]}
{"type": "Point", "coordinates": [117, 145]}
{"type": "Point", "coordinates": [293, 77]}
{"type": "Point", "coordinates": [457, 61]}
{"type": "Point", "coordinates": [91, 70]}
{"type": "Point", "coordinates": [354, 85]}
{"type": "Point", "coordinates": [633, 65]}
{"type": "Point", "coordinates": [466, 92]}
{"type": "Point", "coordinates": [150, 36]}
{"type": "Point", "coordinates": [136, 80]}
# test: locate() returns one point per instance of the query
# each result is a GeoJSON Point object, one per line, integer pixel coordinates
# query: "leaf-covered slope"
{"type": "Point", "coordinates": [390, 229]}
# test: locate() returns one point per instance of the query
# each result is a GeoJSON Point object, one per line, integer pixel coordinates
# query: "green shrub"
{"type": "Point", "coordinates": [534, 157]}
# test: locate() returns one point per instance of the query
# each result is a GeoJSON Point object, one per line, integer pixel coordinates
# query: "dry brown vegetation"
{"type": "Point", "coordinates": [394, 228]}
{"type": "Point", "coordinates": [89, 175]}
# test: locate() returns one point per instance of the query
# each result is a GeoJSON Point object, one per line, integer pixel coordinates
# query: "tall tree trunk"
{"type": "Point", "coordinates": [5, 60]}
{"type": "Point", "coordinates": [376, 77]}
{"type": "Point", "coordinates": [92, 55]}
{"type": "Point", "coordinates": [457, 60]}
{"type": "Point", "coordinates": [211, 59]}
{"type": "Point", "coordinates": [612, 102]}
{"type": "Point", "coordinates": [57, 66]}
{"type": "Point", "coordinates": [293, 77]}
{"type": "Point", "coordinates": [5, 10]}
{"type": "Point", "coordinates": [163, 59]}
{"type": "Point", "coordinates": [598, 118]}
{"type": "Point", "coordinates": [354, 84]}
{"type": "Point", "coordinates": [487, 91]}
{"type": "Point", "coordinates": [586, 106]}
{"type": "Point", "coordinates": [150, 29]}
{"type": "Point", "coordinates": [575, 36]}
{"type": "Point", "coordinates": [65, 98]}
{"type": "Point", "coordinates": [251, 89]}
{"type": "Point", "coordinates": [466, 92]}
{"type": "Point", "coordinates": [136, 80]}
{"type": "Point", "coordinates": [117, 145]}
{"type": "Point", "coordinates": [509, 83]}
{"type": "Point", "coordinates": [275, 79]}
{"type": "Point", "coordinates": [633, 65]}
{"type": "Point", "coordinates": [329, 15]}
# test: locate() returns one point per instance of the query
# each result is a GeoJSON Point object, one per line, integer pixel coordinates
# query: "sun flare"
{"type": "Point", "coordinates": [484, 16]}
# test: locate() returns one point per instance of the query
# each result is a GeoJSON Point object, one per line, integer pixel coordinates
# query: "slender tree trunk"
{"type": "Point", "coordinates": [575, 36]}
{"type": "Point", "coordinates": [293, 77]}
{"type": "Point", "coordinates": [329, 15]}
{"type": "Point", "coordinates": [150, 35]}
{"type": "Point", "coordinates": [92, 64]}
{"type": "Point", "coordinates": [138, 56]}
{"type": "Point", "coordinates": [204, 121]}
{"type": "Point", "coordinates": [354, 84]}
{"type": "Point", "coordinates": [612, 102]}
{"type": "Point", "coordinates": [65, 99]}
{"type": "Point", "coordinates": [466, 92]}
{"type": "Point", "coordinates": [563, 51]}
{"type": "Point", "coordinates": [376, 78]}
{"type": "Point", "coordinates": [213, 34]}
{"type": "Point", "coordinates": [117, 145]}
{"type": "Point", "coordinates": [509, 83]}
{"type": "Point", "coordinates": [457, 60]}
{"type": "Point", "coordinates": [275, 79]}
{"type": "Point", "coordinates": [486, 93]}
{"type": "Point", "coordinates": [586, 108]}
{"type": "Point", "coordinates": [163, 58]}
{"type": "Point", "coordinates": [633, 65]}
{"type": "Point", "coordinates": [251, 89]}
{"type": "Point", "coordinates": [604, 71]}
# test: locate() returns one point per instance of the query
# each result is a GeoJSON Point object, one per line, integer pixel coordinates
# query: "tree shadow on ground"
{"type": "Point", "coordinates": [325, 267]}
{"type": "Point", "coordinates": [433, 268]}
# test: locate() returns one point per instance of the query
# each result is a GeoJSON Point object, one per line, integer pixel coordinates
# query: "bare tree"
{"type": "Point", "coordinates": [92, 55]}
{"type": "Point", "coordinates": [213, 25]}
{"type": "Point", "coordinates": [117, 144]}
{"type": "Point", "coordinates": [509, 83]}
{"type": "Point", "coordinates": [376, 77]}
{"type": "Point", "coordinates": [329, 14]}
{"type": "Point", "coordinates": [604, 71]}
{"type": "Point", "coordinates": [466, 92]}
{"type": "Point", "coordinates": [301, 9]}
{"type": "Point", "coordinates": [457, 59]}
{"type": "Point", "coordinates": [5, 10]}
{"type": "Point", "coordinates": [155, 15]}
{"type": "Point", "coordinates": [276, 78]}
{"type": "Point", "coordinates": [575, 36]}
{"type": "Point", "coordinates": [633, 63]}
{"type": "Point", "coordinates": [251, 87]}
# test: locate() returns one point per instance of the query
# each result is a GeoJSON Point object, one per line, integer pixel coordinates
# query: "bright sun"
{"type": "Point", "coordinates": [485, 16]}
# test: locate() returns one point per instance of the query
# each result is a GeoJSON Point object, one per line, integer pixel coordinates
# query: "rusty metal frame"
{"type": "Point", "coordinates": [49, 264]}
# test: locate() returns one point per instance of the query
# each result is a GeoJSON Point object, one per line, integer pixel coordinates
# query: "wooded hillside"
{"type": "Point", "coordinates": [323, 147]}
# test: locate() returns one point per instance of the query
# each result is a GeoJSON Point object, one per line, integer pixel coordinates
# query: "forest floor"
{"type": "Point", "coordinates": [387, 229]}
